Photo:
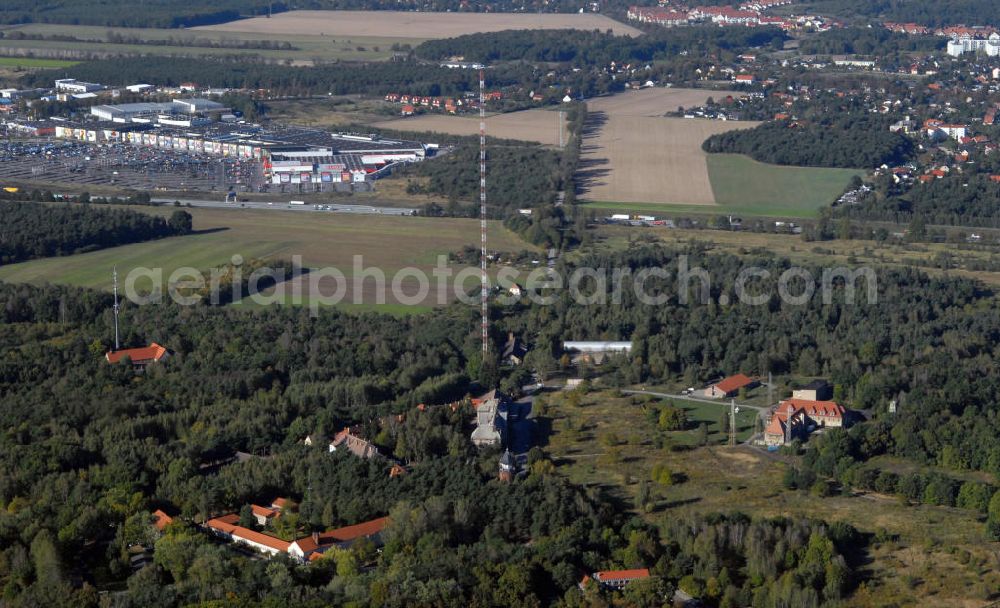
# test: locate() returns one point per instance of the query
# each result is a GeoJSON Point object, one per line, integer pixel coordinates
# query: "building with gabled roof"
{"type": "Point", "coordinates": [729, 387]}
{"type": "Point", "coordinates": [161, 520]}
{"type": "Point", "coordinates": [263, 514]}
{"type": "Point", "coordinates": [140, 357]}
{"type": "Point", "coordinates": [348, 440]}
{"type": "Point", "coordinates": [775, 433]}
{"type": "Point", "coordinates": [616, 579]}
{"type": "Point", "coordinates": [319, 542]}
{"type": "Point", "coordinates": [491, 419]}
{"type": "Point", "coordinates": [228, 528]}
{"type": "Point", "coordinates": [796, 418]}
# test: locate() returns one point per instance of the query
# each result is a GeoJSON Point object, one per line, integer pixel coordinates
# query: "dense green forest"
{"type": "Point", "coordinates": [522, 176]}
{"type": "Point", "coordinates": [598, 48]}
{"type": "Point", "coordinates": [842, 140]}
{"type": "Point", "coordinates": [879, 42]}
{"type": "Point", "coordinates": [103, 445]}
{"type": "Point", "coordinates": [925, 12]}
{"type": "Point", "coordinates": [37, 230]}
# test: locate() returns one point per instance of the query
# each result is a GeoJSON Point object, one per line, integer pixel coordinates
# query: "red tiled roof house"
{"type": "Point", "coordinates": [616, 579]}
{"type": "Point", "coordinates": [140, 357]}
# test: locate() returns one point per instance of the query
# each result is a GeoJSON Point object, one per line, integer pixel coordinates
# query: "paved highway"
{"type": "Point", "coordinates": [284, 206]}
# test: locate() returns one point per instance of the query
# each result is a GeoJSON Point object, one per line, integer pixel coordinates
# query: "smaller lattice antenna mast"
{"type": "Point", "coordinates": [114, 275]}
{"type": "Point", "coordinates": [484, 296]}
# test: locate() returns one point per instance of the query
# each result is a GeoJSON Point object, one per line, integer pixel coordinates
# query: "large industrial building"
{"type": "Point", "coordinates": [72, 85]}
{"type": "Point", "coordinates": [156, 111]}
{"type": "Point", "coordinates": [288, 155]}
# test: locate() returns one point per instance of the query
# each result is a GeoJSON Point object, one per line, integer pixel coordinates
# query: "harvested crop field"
{"type": "Point", "coordinates": [535, 125]}
{"type": "Point", "coordinates": [640, 159]}
{"type": "Point", "coordinates": [400, 24]}
{"type": "Point", "coordinates": [632, 154]}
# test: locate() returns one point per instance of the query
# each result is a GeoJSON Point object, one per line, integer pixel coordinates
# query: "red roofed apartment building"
{"type": "Point", "coordinates": [140, 357]}
{"type": "Point", "coordinates": [228, 528]}
{"type": "Point", "coordinates": [729, 387]}
{"type": "Point", "coordinates": [311, 547]}
{"type": "Point", "coordinates": [615, 579]}
{"type": "Point", "coordinates": [795, 418]}
{"type": "Point", "coordinates": [307, 548]}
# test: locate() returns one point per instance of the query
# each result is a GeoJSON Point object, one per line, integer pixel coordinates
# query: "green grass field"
{"type": "Point", "coordinates": [306, 49]}
{"type": "Point", "coordinates": [746, 187]}
{"type": "Point", "coordinates": [32, 62]}
{"type": "Point", "coordinates": [388, 243]}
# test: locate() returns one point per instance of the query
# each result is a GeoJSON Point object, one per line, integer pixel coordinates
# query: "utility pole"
{"type": "Point", "coordinates": [770, 390]}
{"type": "Point", "coordinates": [562, 144]}
{"type": "Point", "coordinates": [484, 296]}
{"type": "Point", "coordinates": [114, 275]}
{"type": "Point", "coordinates": [732, 423]}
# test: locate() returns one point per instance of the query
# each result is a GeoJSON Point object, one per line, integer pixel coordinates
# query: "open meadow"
{"type": "Point", "coordinates": [965, 259]}
{"type": "Point", "coordinates": [95, 41]}
{"type": "Point", "coordinates": [389, 243]}
{"type": "Point", "coordinates": [421, 25]}
{"type": "Point", "coordinates": [931, 555]}
{"type": "Point", "coordinates": [536, 125]}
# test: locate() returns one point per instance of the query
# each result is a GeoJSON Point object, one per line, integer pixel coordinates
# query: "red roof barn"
{"type": "Point", "coordinates": [728, 387]}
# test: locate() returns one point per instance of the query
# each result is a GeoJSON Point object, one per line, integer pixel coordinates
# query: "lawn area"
{"type": "Point", "coordinates": [389, 243]}
{"type": "Point", "coordinates": [927, 556]}
{"type": "Point", "coordinates": [743, 185]}
{"type": "Point", "coordinates": [32, 62]}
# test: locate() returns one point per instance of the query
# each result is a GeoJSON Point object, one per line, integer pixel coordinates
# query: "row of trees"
{"type": "Point", "coordinates": [101, 446]}
{"type": "Point", "coordinates": [370, 79]}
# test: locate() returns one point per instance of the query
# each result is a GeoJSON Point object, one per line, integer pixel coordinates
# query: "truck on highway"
{"type": "Point", "coordinates": [296, 202]}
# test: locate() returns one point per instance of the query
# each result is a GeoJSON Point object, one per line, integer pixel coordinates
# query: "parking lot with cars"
{"type": "Point", "coordinates": [124, 166]}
